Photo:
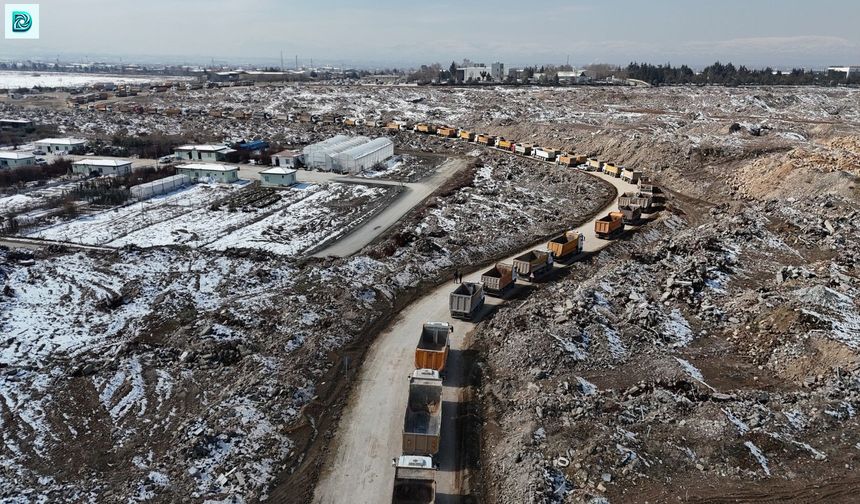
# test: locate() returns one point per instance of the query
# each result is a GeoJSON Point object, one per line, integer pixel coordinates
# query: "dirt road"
{"type": "Point", "coordinates": [368, 438]}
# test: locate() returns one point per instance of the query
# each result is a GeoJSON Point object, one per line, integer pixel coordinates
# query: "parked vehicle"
{"type": "Point", "coordinates": [631, 214]}
{"type": "Point", "coordinates": [594, 164]}
{"type": "Point", "coordinates": [467, 136]}
{"type": "Point", "coordinates": [524, 149]}
{"type": "Point", "coordinates": [425, 128]}
{"type": "Point", "coordinates": [486, 140]}
{"type": "Point", "coordinates": [499, 280]}
{"type": "Point", "coordinates": [433, 346]}
{"type": "Point", "coordinates": [38, 152]}
{"type": "Point", "coordinates": [569, 243]}
{"type": "Point", "coordinates": [414, 480]}
{"type": "Point", "coordinates": [640, 199]}
{"type": "Point", "coordinates": [608, 226]}
{"type": "Point", "coordinates": [504, 144]}
{"type": "Point", "coordinates": [466, 300]}
{"type": "Point", "coordinates": [422, 424]}
{"type": "Point", "coordinates": [533, 265]}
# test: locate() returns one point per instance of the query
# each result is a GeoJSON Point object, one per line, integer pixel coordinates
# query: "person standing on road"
{"type": "Point", "coordinates": [457, 276]}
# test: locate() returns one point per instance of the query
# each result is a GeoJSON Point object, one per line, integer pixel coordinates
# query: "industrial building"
{"type": "Point", "coordinates": [278, 177]}
{"type": "Point", "coordinates": [14, 159]}
{"type": "Point", "coordinates": [202, 153]}
{"type": "Point", "coordinates": [472, 73]}
{"type": "Point", "coordinates": [203, 172]}
{"type": "Point", "coordinates": [320, 155]}
{"type": "Point", "coordinates": [286, 158]}
{"type": "Point", "coordinates": [96, 167]}
{"type": "Point", "coordinates": [60, 145]}
{"type": "Point", "coordinates": [849, 71]}
{"type": "Point", "coordinates": [364, 156]}
{"type": "Point", "coordinates": [497, 72]}
{"type": "Point", "coordinates": [160, 186]}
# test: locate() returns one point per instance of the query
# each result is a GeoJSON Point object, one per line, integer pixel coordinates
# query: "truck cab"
{"type": "Point", "coordinates": [414, 480]}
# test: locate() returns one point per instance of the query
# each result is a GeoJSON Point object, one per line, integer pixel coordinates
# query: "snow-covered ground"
{"type": "Point", "coordinates": [13, 80]}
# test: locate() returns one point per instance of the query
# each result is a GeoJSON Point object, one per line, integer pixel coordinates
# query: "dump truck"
{"type": "Point", "coordinates": [612, 170]}
{"type": "Point", "coordinates": [630, 176]}
{"type": "Point", "coordinates": [593, 164]}
{"type": "Point", "coordinates": [414, 480]}
{"type": "Point", "coordinates": [524, 149]}
{"type": "Point", "coordinates": [425, 128]}
{"type": "Point", "coordinates": [647, 188]}
{"type": "Point", "coordinates": [467, 135]}
{"type": "Point", "coordinates": [571, 160]}
{"type": "Point", "coordinates": [499, 279]}
{"type": "Point", "coordinates": [433, 346]}
{"type": "Point", "coordinates": [640, 199]}
{"type": "Point", "coordinates": [393, 126]}
{"type": "Point", "coordinates": [466, 300]}
{"type": "Point", "coordinates": [609, 226]}
{"type": "Point", "coordinates": [487, 140]}
{"type": "Point", "coordinates": [545, 153]}
{"type": "Point", "coordinates": [447, 132]}
{"type": "Point", "coordinates": [631, 213]}
{"type": "Point", "coordinates": [422, 424]}
{"type": "Point", "coordinates": [504, 144]}
{"type": "Point", "coordinates": [569, 243]}
{"type": "Point", "coordinates": [533, 265]}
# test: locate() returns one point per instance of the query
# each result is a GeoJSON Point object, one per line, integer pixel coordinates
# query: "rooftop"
{"type": "Point", "coordinates": [204, 148]}
{"type": "Point", "coordinates": [208, 167]}
{"type": "Point", "coordinates": [16, 155]}
{"type": "Point", "coordinates": [102, 162]}
{"type": "Point", "coordinates": [288, 153]}
{"type": "Point", "coordinates": [278, 171]}
{"type": "Point", "coordinates": [62, 141]}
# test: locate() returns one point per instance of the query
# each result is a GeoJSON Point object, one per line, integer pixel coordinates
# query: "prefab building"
{"type": "Point", "coordinates": [278, 177]}
{"type": "Point", "coordinates": [14, 159]}
{"type": "Point", "coordinates": [59, 145]}
{"type": "Point", "coordinates": [202, 153]}
{"type": "Point", "coordinates": [286, 158]}
{"type": "Point", "coordinates": [202, 172]}
{"type": "Point", "coordinates": [158, 187]}
{"type": "Point", "coordinates": [362, 157]}
{"type": "Point", "coordinates": [96, 167]}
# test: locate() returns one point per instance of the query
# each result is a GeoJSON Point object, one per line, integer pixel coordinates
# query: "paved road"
{"type": "Point", "coordinates": [368, 437]}
{"type": "Point", "coordinates": [413, 194]}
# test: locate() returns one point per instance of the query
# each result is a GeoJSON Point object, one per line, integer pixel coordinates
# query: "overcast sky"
{"type": "Point", "coordinates": [779, 33]}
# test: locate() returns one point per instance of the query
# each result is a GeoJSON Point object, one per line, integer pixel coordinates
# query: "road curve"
{"type": "Point", "coordinates": [358, 468]}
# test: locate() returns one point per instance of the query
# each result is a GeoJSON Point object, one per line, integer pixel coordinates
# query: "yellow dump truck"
{"type": "Point", "coordinates": [425, 128]}
{"type": "Point", "coordinates": [504, 144]}
{"type": "Point", "coordinates": [571, 159]}
{"type": "Point", "coordinates": [446, 131]}
{"type": "Point", "coordinates": [467, 135]}
{"type": "Point", "coordinates": [569, 243]}
{"type": "Point", "coordinates": [612, 170]}
{"type": "Point", "coordinates": [487, 140]}
{"type": "Point", "coordinates": [608, 226]}
{"type": "Point", "coordinates": [433, 346]}
{"type": "Point", "coordinates": [594, 164]}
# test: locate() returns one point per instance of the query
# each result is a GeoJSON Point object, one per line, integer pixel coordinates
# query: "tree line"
{"type": "Point", "coordinates": [730, 75]}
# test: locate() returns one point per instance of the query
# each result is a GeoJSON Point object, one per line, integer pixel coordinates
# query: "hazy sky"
{"type": "Point", "coordinates": [403, 32]}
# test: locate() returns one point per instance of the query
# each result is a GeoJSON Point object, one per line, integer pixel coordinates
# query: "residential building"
{"type": "Point", "coordinates": [60, 145]}
{"type": "Point", "coordinates": [97, 167]}
{"type": "Point", "coordinates": [14, 159]}
{"type": "Point", "coordinates": [205, 172]}
{"type": "Point", "coordinates": [278, 176]}
{"type": "Point", "coordinates": [497, 72]}
{"type": "Point", "coordinates": [202, 153]}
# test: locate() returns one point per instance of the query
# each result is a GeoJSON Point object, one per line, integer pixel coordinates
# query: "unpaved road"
{"type": "Point", "coordinates": [359, 468]}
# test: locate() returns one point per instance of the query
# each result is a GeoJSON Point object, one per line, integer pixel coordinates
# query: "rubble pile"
{"type": "Point", "coordinates": [726, 352]}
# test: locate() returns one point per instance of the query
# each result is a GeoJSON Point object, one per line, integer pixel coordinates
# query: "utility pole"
{"type": "Point", "coordinates": [282, 61]}
{"type": "Point", "coordinates": [297, 61]}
